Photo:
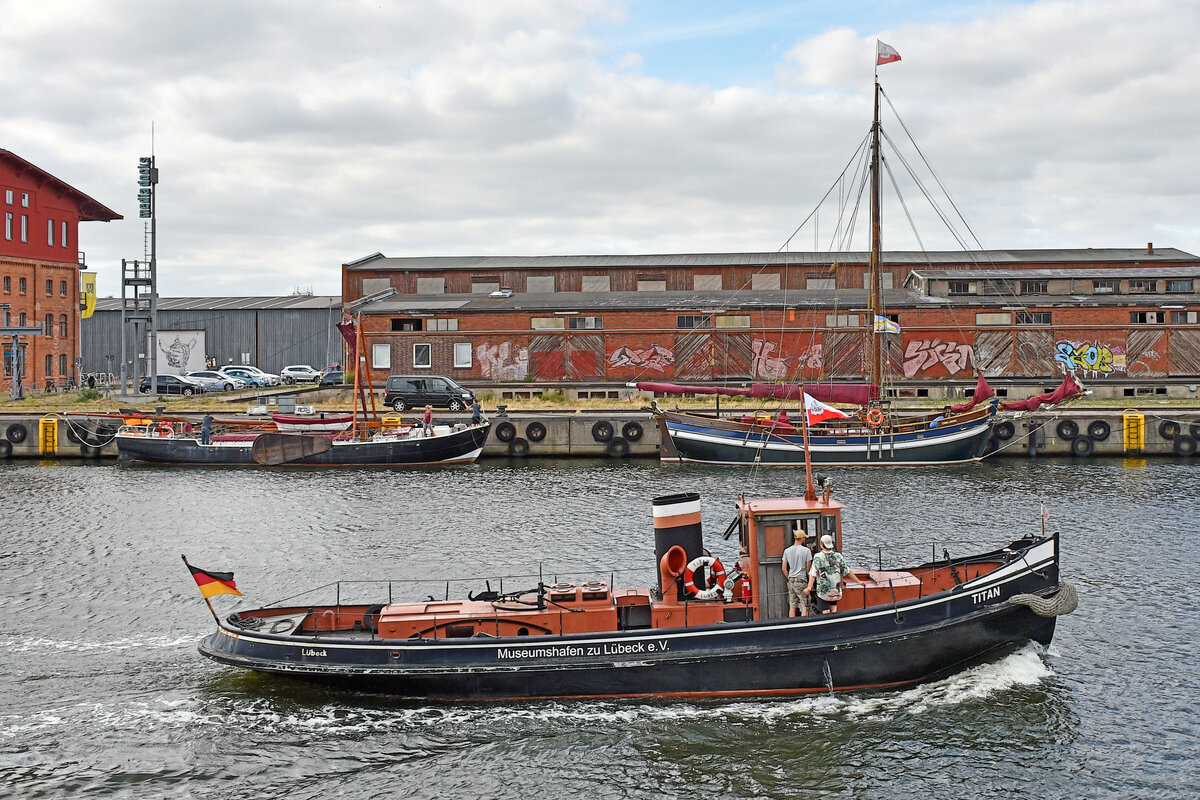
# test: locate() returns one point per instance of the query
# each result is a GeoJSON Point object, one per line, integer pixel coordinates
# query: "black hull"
{"type": "Point", "coordinates": [855, 650]}
{"type": "Point", "coordinates": [458, 447]}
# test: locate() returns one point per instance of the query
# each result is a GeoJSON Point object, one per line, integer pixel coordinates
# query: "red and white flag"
{"type": "Point", "coordinates": [818, 411]}
{"type": "Point", "coordinates": [885, 53]}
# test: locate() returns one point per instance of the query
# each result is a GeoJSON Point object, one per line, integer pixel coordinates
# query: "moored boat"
{"type": "Point", "coordinates": [325, 423]}
{"type": "Point", "coordinates": [698, 632]}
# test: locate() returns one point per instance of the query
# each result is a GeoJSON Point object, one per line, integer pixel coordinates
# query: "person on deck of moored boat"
{"type": "Point", "coordinates": [825, 575]}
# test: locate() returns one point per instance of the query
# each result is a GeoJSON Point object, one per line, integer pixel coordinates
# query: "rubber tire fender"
{"type": "Point", "coordinates": [1067, 429]}
{"type": "Point", "coordinates": [1194, 430]}
{"type": "Point", "coordinates": [1185, 446]}
{"type": "Point", "coordinates": [505, 431]}
{"type": "Point", "coordinates": [72, 436]}
{"type": "Point", "coordinates": [536, 431]}
{"type": "Point", "coordinates": [618, 447]}
{"type": "Point", "coordinates": [1168, 429]}
{"type": "Point", "coordinates": [632, 431]}
{"type": "Point", "coordinates": [602, 431]}
{"type": "Point", "coordinates": [1004, 431]}
{"type": "Point", "coordinates": [89, 450]}
{"type": "Point", "coordinates": [1082, 446]}
{"type": "Point", "coordinates": [1099, 430]}
{"type": "Point", "coordinates": [16, 433]}
{"type": "Point", "coordinates": [5, 449]}
{"type": "Point", "coordinates": [518, 448]}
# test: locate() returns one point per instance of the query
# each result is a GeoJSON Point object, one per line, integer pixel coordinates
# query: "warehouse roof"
{"type": "Point", "coordinates": [289, 302]}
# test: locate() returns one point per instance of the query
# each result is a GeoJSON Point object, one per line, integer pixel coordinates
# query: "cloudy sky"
{"type": "Point", "coordinates": [293, 136]}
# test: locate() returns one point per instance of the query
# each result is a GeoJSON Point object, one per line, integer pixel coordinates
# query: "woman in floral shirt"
{"type": "Point", "coordinates": [826, 573]}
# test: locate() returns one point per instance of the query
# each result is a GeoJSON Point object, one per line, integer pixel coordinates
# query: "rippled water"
{"type": "Point", "coordinates": [104, 695]}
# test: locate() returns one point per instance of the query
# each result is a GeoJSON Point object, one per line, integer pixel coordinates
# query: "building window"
{"type": "Point", "coordinates": [49, 288]}
{"type": "Point", "coordinates": [62, 365]}
{"type": "Point", "coordinates": [540, 284]}
{"type": "Point", "coordinates": [48, 328]}
{"type": "Point", "coordinates": [993, 318]}
{"type": "Point", "coordinates": [63, 238]}
{"type": "Point", "coordinates": [21, 319]}
{"type": "Point", "coordinates": [462, 354]}
{"type": "Point", "coordinates": [381, 356]}
{"type": "Point", "coordinates": [443, 324]}
{"type": "Point", "coordinates": [1184, 286]}
{"type": "Point", "coordinates": [8, 196]}
{"type": "Point", "coordinates": [652, 284]}
{"type": "Point", "coordinates": [821, 284]}
{"type": "Point", "coordinates": [24, 199]}
{"type": "Point", "coordinates": [20, 286]}
{"type": "Point", "coordinates": [431, 285]}
{"type": "Point", "coordinates": [50, 232]}
{"type": "Point", "coordinates": [585, 323]}
{"type": "Point", "coordinates": [7, 285]}
{"type": "Point", "coordinates": [693, 321]}
{"type": "Point", "coordinates": [547, 323]}
{"type": "Point", "coordinates": [62, 288]}
{"type": "Point", "coordinates": [842, 321]}
{"type": "Point", "coordinates": [49, 366]}
{"type": "Point", "coordinates": [707, 283]}
{"type": "Point", "coordinates": [1143, 317]}
{"type": "Point", "coordinates": [62, 325]}
{"type": "Point", "coordinates": [401, 325]}
{"type": "Point", "coordinates": [1033, 317]}
{"type": "Point", "coordinates": [8, 221]}
{"type": "Point", "coordinates": [885, 281]}
{"type": "Point", "coordinates": [1183, 317]}
{"type": "Point", "coordinates": [764, 281]}
{"type": "Point", "coordinates": [422, 356]}
{"type": "Point", "coordinates": [959, 287]}
{"type": "Point", "coordinates": [1104, 287]}
{"type": "Point", "coordinates": [24, 227]}
{"type": "Point", "coordinates": [595, 283]}
{"type": "Point", "coordinates": [1143, 287]}
{"type": "Point", "coordinates": [1035, 287]}
{"type": "Point", "coordinates": [733, 321]}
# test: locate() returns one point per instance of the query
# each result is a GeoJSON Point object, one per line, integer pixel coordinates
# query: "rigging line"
{"type": "Point", "coordinates": [907, 215]}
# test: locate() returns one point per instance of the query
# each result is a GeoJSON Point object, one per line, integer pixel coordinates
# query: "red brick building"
{"type": "Point", "coordinates": [40, 262]}
{"type": "Point", "coordinates": [753, 316]}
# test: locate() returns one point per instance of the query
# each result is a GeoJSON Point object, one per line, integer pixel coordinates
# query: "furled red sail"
{"type": "Point", "coordinates": [983, 391]}
{"type": "Point", "coordinates": [1068, 389]}
{"type": "Point", "coordinates": [854, 393]}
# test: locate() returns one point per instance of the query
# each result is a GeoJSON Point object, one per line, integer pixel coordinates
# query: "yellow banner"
{"type": "Point", "coordinates": [87, 294]}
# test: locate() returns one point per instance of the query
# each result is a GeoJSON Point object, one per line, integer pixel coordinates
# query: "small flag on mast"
{"type": "Point", "coordinates": [818, 411]}
{"type": "Point", "coordinates": [885, 325]}
{"type": "Point", "coordinates": [885, 53]}
{"type": "Point", "coordinates": [213, 583]}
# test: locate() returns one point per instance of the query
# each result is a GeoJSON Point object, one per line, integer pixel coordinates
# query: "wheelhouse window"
{"type": "Point", "coordinates": [462, 354]}
{"type": "Point", "coordinates": [1143, 287]}
{"type": "Point", "coordinates": [585, 323]}
{"type": "Point", "coordinates": [1035, 287]}
{"type": "Point", "coordinates": [422, 356]}
{"type": "Point", "coordinates": [693, 321]}
{"type": "Point", "coordinates": [1033, 317]}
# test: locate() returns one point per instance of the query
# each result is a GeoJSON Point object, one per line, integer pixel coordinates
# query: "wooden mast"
{"type": "Point", "coordinates": [873, 265]}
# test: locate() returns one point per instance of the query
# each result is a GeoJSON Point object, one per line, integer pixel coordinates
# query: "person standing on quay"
{"type": "Point", "coordinates": [795, 565]}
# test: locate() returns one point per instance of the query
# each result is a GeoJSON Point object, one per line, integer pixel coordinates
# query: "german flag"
{"type": "Point", "coordinates": [211, 583]}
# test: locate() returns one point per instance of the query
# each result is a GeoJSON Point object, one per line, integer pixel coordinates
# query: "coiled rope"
{"type": "Point", "coordinates": [1064, 601]}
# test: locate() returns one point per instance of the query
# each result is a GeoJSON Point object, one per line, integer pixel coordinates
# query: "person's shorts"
{"type": "Point", "coordinates": [824, 605]}
{"type": "Point", "coordinates": [796, 587]}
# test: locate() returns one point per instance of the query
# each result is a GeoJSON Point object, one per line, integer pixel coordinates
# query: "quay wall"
{"type": "Point", "coordinates": [1079, 433]}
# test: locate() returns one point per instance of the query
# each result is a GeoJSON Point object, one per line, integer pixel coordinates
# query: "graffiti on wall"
{"type": "Point", "coordinates": [503, 362]}
{"type": "Point", "coordinates": [655, 357]}
{"type": "Point", "coordinates": [924, 354]}
{"type": "Point", "coordinates": [764, 365]}
{"type": "Point", "coordinates": [1093, 358]}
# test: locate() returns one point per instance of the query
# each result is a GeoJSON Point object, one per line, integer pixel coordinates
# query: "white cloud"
{"type": "Point", "coordinates": [293, 136]}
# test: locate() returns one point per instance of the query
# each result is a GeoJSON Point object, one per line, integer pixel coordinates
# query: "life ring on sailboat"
{"type": "Point", "coordinates": [164, 430]}
{"type": "Point", "coordinates": [716, 575]}
{"type": "Point", "coordinates": [874, 417]}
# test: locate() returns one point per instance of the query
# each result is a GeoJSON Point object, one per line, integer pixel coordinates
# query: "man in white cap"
{"type": "Point", "coordinates": [796, 561]}
{"type": "Point", "coordinates": [826, 573]}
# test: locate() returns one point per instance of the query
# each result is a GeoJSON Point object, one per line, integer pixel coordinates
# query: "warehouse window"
{"type": "Point", "coordinates": [959, 287]}
{"type": "Point", "coordinates": [8, 220]}
{"type": "Point", "coordinates": [585, 323]}
{"type": "Point", "coordinates": [48, 328]}
{"type": "Point", "coordinates": [431, 285]}
{"type": "Point", "coordinates": [422, 356]}
{"type": "Point", "coordinates": [652, 284]}
{"type": "Point", "coordinates": [484, 285]}
{"type": "Point", "coordinates": [595, 283]}
{"type": "Point", "coordinates": [447, 324]}
{"type": "Point", "coordinates": [1179, 286]}
{"type": "Point", "coordinates": [693, 321]}
{"type": "Point", "coordinates": [400, 325]}
{"type": "Point", "coordinates": [539, 284]}
{"type": "Point", "coordinates": [1143, 317]}
{"type": "Point", "coordinates": [49, 366]}
{"type": "Point", "coordinates": [842, 320]}
{"type": "Point", "coordinates": [21, 286]}
{"type": "Point", "coordinates": [381, 356]}
{"type": "Point", "coordinates": [993, 318]}
{"type": "Point", "coordinates": [547, 323]}
{"type": "Point", "coordinates": [24, 227]}
{"type": "Point", "coordinates": [1104, 287]}
{"type": "Point", "coordinates": [764, 281]}
{"type": "Point", "coordinates": [49, 288]}
{"type": "Point", "coordinates": [733, 321]}
{"type": "Point", "coordinates": [7, 284]}
{"type": "Point", "coordinates": [821, 284]}
{"type": "Point", "coordinates": [1183, 317]}
{"type": "Point", "coordinates": [707, 283]}
{"type": "Point", "coordinates": [1143, 287]}
{"type": "Point", "coordinates": [462, 354]}
{"type": "Point", "coordinates": [63, 238]}
{"type": "Point", "coordinates": [1033, 317]}
{"type": "Point", "coordinates": [1035, 287]}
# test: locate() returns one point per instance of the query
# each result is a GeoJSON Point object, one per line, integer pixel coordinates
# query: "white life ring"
{"type": "Point", "coordinates": [716, 574]}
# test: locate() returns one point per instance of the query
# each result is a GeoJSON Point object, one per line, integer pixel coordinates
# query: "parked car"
{"type": "Point", "coordinates": [332, 378]}
{"type": "Point", "coordinates": [503, 291]}
{"type": "Point", "coordinates": [414, 391]}
{"type": "Point", "coordinates": [299, 373]}
{"type": "Point", "coordinates": [214, 381]}
{"type": "Point", "coordinates": [251, 375]}
{"type": "Point", "coordinates": [171, 384]}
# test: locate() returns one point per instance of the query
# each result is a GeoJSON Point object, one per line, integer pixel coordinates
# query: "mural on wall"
{"type": "Point", "coordinates": [180, 352]}
{"type": "Point", "coordinates": [1094, 359]}
{"type": "Point", "coordinates": [765, 366]}
{"type": "Point", "coordinates": [924, 354]}
{"type": "Point", "coordinates": [655, 357]}
{"type": "Point", "coordinates": [503, 362]}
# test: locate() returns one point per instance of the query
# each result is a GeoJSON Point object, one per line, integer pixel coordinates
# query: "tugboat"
{"type": "Point", "coordinates": [699, 632]}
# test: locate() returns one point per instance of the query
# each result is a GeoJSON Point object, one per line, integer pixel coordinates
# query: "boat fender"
{"type": "Point", "coordinates": [1064, 601]}
{"type": "Point", "coordinates": [16, 433]}
{"type": "Point", "coordinates": [1082, 446]}
{"type": "Point", "coordinates": [1185, 446]}
{"type": "Point", "coordinates": [518, 447]}
{"type": "Point", "coordinates": [1099, 430]}
{"type": "Point", "coordinates": [632, 431]}
{"type": "Point", "coordinates": [716, 575]}
{"type": "Point", "coordinates": [536, 431]}
{"type": "Point", "coordinates": [505, 431]}
{"type": "Point", "coordinates": [1067, 429]}
{"type": "Point", "coordinates": [874, 417]}
{"type": "Point", "coordinates": [89, 450]}
{"type": "Point", "coordinates": [1004, 430]}
{"type": "Point", "coordinates": [5, 448]}
{"type": "Point", "coordinates": [1168, 429]}
{"type": "Point", "coordinates": [72, 436]}
{"type": "Point", "coordinates": [602, 431]}
{"type": "Point", "coordinates": [618, 448]}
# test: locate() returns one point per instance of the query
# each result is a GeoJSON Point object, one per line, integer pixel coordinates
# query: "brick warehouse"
{"type": "Point", "coordinates": [39, 266]}
{"type": "Point", "coordinates": [1107, 313]}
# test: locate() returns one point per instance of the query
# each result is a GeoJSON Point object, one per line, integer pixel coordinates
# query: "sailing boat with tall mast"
{"type": "Point", "coordinates": [877, 435]}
